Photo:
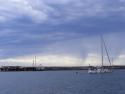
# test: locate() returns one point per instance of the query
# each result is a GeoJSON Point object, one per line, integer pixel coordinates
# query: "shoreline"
{"type": "Point", "coordinates": [46, 68]}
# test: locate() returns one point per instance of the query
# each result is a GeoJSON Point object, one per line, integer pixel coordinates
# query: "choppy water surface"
{"type": "Point", "coordinates": [62, 82]}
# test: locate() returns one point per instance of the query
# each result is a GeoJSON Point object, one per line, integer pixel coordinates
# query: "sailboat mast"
{"type": "Point", "coordinates": [107, 53]}
{"type": "Point", "coordinates": [102, 50]}
{"type": "Point", "coordinates": [33, 63]}
{"type": "Point", "coordinates": [35, 60]}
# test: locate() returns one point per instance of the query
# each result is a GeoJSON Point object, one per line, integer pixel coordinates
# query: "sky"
{"type": "Point", "coordinates": [61, 32]}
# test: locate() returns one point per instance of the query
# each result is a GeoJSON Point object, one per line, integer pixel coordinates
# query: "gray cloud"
{"type": "Point", "coordinates": [55, 11]}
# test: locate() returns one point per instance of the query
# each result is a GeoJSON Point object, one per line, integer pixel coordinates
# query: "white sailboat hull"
{"type": "Point", "coordinates": [97, 71]}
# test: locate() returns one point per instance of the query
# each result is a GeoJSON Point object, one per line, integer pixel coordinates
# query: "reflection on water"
{"type": "Point", "coordinates": [62, 82]}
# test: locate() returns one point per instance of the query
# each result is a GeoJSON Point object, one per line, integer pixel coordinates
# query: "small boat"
{"type": "Point", "coordinates": [101, 69]}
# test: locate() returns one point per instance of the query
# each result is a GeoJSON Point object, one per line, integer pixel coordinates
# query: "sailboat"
{"type": "Point", "coordinates": [102, 68]}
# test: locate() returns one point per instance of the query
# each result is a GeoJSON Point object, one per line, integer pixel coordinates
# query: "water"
{"type": "Point", "coordinates": [62, 82]}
